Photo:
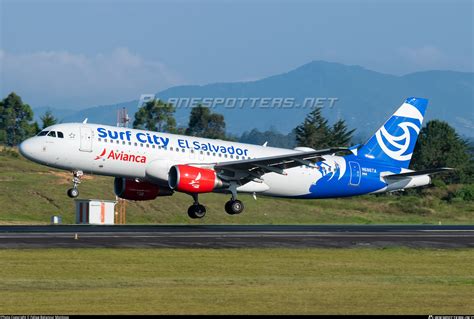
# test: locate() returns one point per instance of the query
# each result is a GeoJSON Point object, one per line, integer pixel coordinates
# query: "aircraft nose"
{"type": "Point", "coordinates": [27, 148]}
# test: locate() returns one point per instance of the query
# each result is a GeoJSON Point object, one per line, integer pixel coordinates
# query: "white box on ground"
{"type": "Point", "coordinates": [56, 220]}
{"type": "Point", "coordinates": [95, 211]}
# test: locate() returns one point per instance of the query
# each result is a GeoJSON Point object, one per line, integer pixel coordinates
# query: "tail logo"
{"type": "Point", "coordinates": [401, 148]}
{"type": "Point", "coordinates": [399, 144]}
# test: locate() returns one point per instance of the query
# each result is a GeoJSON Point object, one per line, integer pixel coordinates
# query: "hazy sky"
{"type": "Point", "coordinates": [85, 53]}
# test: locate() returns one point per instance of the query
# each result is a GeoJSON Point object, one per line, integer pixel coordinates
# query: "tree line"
{"type": "Point", "coordinates": [438, 144]}
{"type": "Point", "coordinates": [16, 120]}
{"type": "Point", "coordinates": [157, 115]}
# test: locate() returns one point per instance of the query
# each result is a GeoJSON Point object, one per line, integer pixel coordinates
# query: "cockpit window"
{"type": "Point", "coordinates": [51, 134]}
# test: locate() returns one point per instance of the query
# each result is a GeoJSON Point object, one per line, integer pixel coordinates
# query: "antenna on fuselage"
{"type": "Point", "coordinates": [121, 213]}
{"type": "Point", "coordinates": [122, 117]}
{"type": "Point", "coordinates": [85, 121]}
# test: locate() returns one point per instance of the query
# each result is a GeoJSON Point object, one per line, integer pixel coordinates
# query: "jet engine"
{"type": "Point", "coordinates": [191, 179]}
{"type": "Point", "coordinates": [132, 190]}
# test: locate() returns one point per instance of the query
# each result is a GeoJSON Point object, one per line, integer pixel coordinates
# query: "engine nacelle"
{"type": "Point", "coordinates": [191, 179]}
{"type": "Point", "coordinates": [132, 190]}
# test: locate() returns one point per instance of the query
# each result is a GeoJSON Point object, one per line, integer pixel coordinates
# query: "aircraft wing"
{"type": "Point", "coordinates": [418, 173]}
{"type": "Point", "coordinates": [257, 167]}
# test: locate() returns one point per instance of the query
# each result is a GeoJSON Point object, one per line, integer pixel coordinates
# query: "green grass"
{"type": "Point", "coordinates": [31, 193]}
{"type": "Point", "coordinates": [233, 281]}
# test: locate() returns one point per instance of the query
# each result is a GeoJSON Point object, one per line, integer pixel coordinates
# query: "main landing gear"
{"type": "Point", "coordinates": [232, 207]}
{"type": "Point", "coordinates": [76, 180]}
{"type": "Point", "coordinates": [196, 210]}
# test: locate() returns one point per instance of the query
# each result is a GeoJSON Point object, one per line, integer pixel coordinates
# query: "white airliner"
{"type": "Point", "coordinates": [149, 164]}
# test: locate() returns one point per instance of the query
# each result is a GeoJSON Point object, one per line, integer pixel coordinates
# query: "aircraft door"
{"type": "Point", "coordinates": [355, 174]}
{"type": "Point", "coordinates": [86, 139]}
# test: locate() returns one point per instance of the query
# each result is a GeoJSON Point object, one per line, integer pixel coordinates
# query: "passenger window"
{"type": "Point", "coordinates": [52, 133]}
{"type": "Point", "coordinates": [60, 135]}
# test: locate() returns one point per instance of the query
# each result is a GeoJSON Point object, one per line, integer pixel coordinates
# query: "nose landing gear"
{"type": "Point", "coordinates": [76, 180]}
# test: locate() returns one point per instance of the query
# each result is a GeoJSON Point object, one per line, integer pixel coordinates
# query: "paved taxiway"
{"type": "Point", "coordinates": [237, 236]}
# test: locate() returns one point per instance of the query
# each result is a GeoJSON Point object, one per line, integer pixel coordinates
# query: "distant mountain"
{"type": "Point", "coordinates": [105, 114]}
{"type": "Point", "coordinates": [365, 98]}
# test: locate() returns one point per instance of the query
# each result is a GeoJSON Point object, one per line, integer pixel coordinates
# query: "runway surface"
{"type": "Point", "coordinates": [237, 236]}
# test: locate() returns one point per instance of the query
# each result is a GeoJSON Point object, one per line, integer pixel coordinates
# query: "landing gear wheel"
{"type": "Point", "coordinates": [196, 211]}
{"type": "Point", "coordinates": [234, 207]}
{"type": "Point", "coordinates": [76, 180]}
{"type": "Point", "coordinates": [73, 192]}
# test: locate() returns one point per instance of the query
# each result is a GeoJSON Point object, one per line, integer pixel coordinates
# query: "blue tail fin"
{"type": "Point", "coordinates": [394, 142]}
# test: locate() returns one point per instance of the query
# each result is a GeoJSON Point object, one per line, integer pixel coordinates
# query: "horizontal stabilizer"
{"type": "Point", "coordinates": [418, 173]}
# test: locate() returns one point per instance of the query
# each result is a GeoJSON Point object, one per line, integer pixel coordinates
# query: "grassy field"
{"type": "Point", "coordinates": [248, 281]}
{"type": "Point", "coordinates": [229, 281]}
{"type": "Point", "coordinates": [31, 193]}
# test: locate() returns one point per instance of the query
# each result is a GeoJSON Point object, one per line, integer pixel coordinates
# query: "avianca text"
{"type": "Point", "coordinates": [124, 157]}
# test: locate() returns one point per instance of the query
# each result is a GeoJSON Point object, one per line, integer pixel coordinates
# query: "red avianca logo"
{"type": "Point", "coordinates": [101, 154]}
{"type": "Point", "coordinates": [121, 156]}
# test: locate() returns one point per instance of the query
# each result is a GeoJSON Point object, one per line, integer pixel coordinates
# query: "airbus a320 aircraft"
{"type": "Point", "coordinates": [149, 164]}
